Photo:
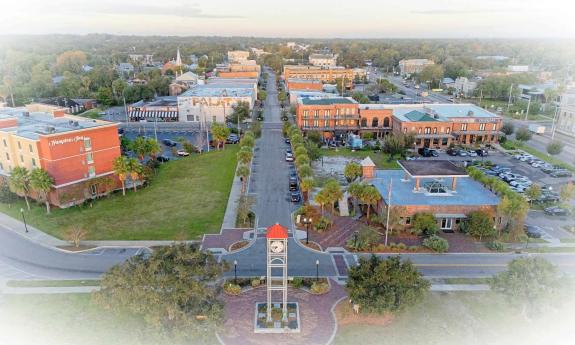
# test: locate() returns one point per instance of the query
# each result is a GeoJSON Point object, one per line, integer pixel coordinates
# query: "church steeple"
{"type": "Point", "coordinates": [178, 58]}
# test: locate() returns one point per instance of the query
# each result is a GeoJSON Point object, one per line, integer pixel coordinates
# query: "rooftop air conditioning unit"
{"type": "Point", "coordinates": [470, 113]}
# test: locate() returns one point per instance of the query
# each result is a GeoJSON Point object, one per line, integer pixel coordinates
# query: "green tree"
{"type": "Point", "coordinates": [567, 192]}
{"type": "Point", "coordinates": [71, 61]}
{"type": "Point", "coordinates": [241, 110]}
{"type": "Point", "coordinates": [282, 97]}
{"type": "Point", "coordinates": [533, 192]}
{"type": "Point", "coordinates": [306, 186]}
{"type": "Point", "coordinates": [220, 133]}
{"type": "Point", "coordinates": [135, 170]}
{"type": "Point", "coordinates": [172, 290]}
{"type": "Point", "coordinates": [104, 96]}
{"type": "Point", "coordinates": [528, 282]}
{"type": "Point", "coordinates": [424, 223]}
{"type": "Point", "coordinates": [41, 182]}
{"type": "Point", "coordinates": [333, 192]}
{"type": "Point", "coordinates": [513, 209]}
{"type": "Point", "coordinates": [121, 169]}
{"type": "Point", "coordinates": [385, 285]}
{"type": "Point", "coordinates": [245, 155]}
{"type": "Point", "coordinates": [243, 173]}
{"type": "Point", "coordinates": [432, 74]}
{"type": "Point", "coordinates": [305, 171]}
{"type": "Point", "coordinates": [321, 198]}
{"type": "Point", "coordinates": [352, 171]}
{"type": "Point", "coordinates": [360, 98]}
{"type": "Point", "coordinates": [436, 243]}
{"type": "Point", "coordinates": [369, 196]}
{"type": "Point", "coordinates": [140, 147]}
{"type": "Point", "coordinates": [262, 95]}
{"type": "Point", "coordinates": [507, 128]}
{"type": "Point", "coordinates": [314, 136]}
{"type": "Point", "coordinates": [522, 134]}
{"type": "Point", "coordinates": [555, 147]}
{"type": "Point", "coordinates": [247, 141]}
{"type": "Point", "coordinates": [480, 224]}
{"type": "Point", "coordinates": [6, 195]}
{"type": "Point", "coordinates": [20, 182]}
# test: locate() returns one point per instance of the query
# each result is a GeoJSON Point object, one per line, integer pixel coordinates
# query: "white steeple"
{"type": "Point", "coordinates": [178, 58]}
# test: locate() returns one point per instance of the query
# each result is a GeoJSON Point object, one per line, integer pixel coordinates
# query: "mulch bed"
{"type": "Point", "coordinates": [347, 317]}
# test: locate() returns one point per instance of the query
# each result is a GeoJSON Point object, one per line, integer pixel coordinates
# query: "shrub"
{"type": "Point", "coordinates": [496, 246]}
{"type": "Point", "coordinates": [319, 288]}
{"type": "Point", "coordinates": [413, 248]}
{"type": "Point", "coordinates": [424, 223]}
{"type": "Point", "coordinates": [401, 246]}
{"type": "Point", "coordinates": [297, 282]}
{"type": "Point", "coordinates": [322, 224]}
{"type": "Point", "coordinates": [256, 282]}
{"type": "Point", "coordinates": [232, 289]}
{"type": "Point", "coordinates": [436, 243]}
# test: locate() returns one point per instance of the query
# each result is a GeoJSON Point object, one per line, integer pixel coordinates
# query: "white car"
{"type": "Point", "coordinates": [183, 153]}
{"type": "Point", "coordinates": [289, 157]}
{"type": "Point", "coordinates": [472, 153]}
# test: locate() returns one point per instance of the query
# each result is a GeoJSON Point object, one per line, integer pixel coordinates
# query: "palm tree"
{"type": "Point", "coordinates": [245, 155]}
{"type": "Point", "coordinates": [42, 182]}
{"type": "Point", "coordinates": [306, 185]}
{"type": "Point", "coordinates": [135, 170]}
{"type": "Point", "coordinates": [370, 197]}
{"type": "Point", "coordinates": [20, 182]}
{"type": "Point", "coordinates": [243, 172]}
{"type": "Point", "coordinates": [153, 148]}
{"type": "Point", "coordinates": [120, 166]}
{"type": "Point", "coordinates": [333, 192]}
{"type": "Point", "coordinates": [321, 199]}
{"type": "Point", "coordinates": [140, 147]}
{"type": "Point", "coordinates": [220, 133]}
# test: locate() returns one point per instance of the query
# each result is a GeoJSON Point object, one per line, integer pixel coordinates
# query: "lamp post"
{"type": "Point", "coordinates": [355, 235]}
{"type": "Point", "coordinates": [307, 222]}
{"type": "Point", "coordinates": [24, 219]}
{"type": "Point", "coordinates": [316, 270]}
{"type": "Point", "coordinates": [235, 271]}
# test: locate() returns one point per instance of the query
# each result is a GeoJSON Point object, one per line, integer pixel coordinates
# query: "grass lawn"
{"type": "Point", "coordinates": [551, 250]}
{"type": "Point", "coordinates": [464, 280]}
{"type": "Point", "coordinates": [567, 240]}
{"type": "Point", "coordinates": [70, 319]}
{"type": "Point", "coordinates": [92, 113]}
{"type": "Point", "coordinates": [52, 283]}
{"type": "Point", "coordinates": [464, 318]}
{"type": "Point", "coordinates": [187, 198]}
{"type": "Point", "coordinates": [380, 159]}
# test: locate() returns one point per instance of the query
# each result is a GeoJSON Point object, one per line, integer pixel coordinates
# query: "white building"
{"type": "Point", "coordinates": [518, 68]}
{"type": "Point", "coordinates": [125, 67]}
{"type": "Point", "coordinates": [464, 85]}
{"type": "Point", "coordinates": [188, 79]}
{"type": "Point", "coordinates": [238, 56]}
{"type": "Point", "coordinates": [213, 102]}
{"type": "Point", "coordinates": [566, 116]}
{"type": "Point", "coordinates": [323, 60]}
{"type": "Point", "coordinates": [411, 66]}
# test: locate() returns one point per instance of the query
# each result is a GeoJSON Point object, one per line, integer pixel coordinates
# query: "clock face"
{"type": "Point", "coordinates": [277, 246]}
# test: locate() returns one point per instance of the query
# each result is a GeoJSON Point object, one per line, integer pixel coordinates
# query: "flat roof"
{"type": "Point", "coordinates": [32, 125]}
{"type": "Point", "coordinates": [444, 111]}
{"type": "Point", "coordinates": [326, 101]}
{"type": "Point", "coordinates": [219, 90]}
{"type": "Point", "coordinates": [468, 192]}
{"type": "Point", "coordinates": [432, 168]}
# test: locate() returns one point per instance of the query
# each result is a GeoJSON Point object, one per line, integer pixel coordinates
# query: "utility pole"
{"type": "Point", "coordinates": [480, 96]}
{"type": "Point", "coordinates": [388, 211]}
{"type": "Point", "coordinates": [554, 125]}
{"type": "Point", "coordinates": [509, 102]}
{"type": "Point", "coordinates": [528, 106]}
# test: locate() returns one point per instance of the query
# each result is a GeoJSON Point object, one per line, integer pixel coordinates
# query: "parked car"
{"type": "Point", "coordinates": [233, 139]}
{"type": "Point", "coordinates": [472, 153]}
{"type": "Point", "coordinates": [162, 159]}
{"type": "Point", "coordinates": [287, 141]}
{"type": "Point", "coordinates": [293, 185]}
{"type": "Point", "coordinates": [289, 151]}
{"type": "Point", "coordinates": [427, 152]}
{"type": "Point", "coordinates": [169, 142]}
{"type": "Point", "coordinates": [549, 169]}
{"type": "Point", "coordinates": [462, 153]}
{"type": "Point", "coordinates": [533, 231]}
{"type": "Point", "coordinates": [555, 211]}
{"type": "Point", "coordinates": [482, 152]}
{"type": "Point", "coordinates": [295, 196]}
{"type": "Point", "coordinates": [183, 153]}
{"type": "Point", "coordinates": [452, 152]}
{"type": "Point", "coordinates": [561, 173]}
{"type": "Point", "coordinates": [289, 157]}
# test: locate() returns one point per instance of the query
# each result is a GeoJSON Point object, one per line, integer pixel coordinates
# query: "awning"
{"type": "Point", "coordinates": [450, 215]}
{"type": "Point", "coordinates": [140, 114]}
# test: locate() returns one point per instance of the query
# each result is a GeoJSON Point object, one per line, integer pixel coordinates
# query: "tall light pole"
{"type": "Point", "coordinates": [388, 211]}
{"type": "Point", "coordinates": [316, 270]}
{"type": "Point", "coordinates": [235, 271]}
{"type": "Point", "coordinates": [24, 219]}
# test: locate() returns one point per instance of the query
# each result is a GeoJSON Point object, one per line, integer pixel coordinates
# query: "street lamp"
{"type": "Point", "coordinates": [24, 219]}
{"type": "Point", "coordinates": [235, 271]}
{"type": "Point", "coordinates": [355, 235]}
{"type": "Point", "coordinates": [316, 270]}
{"type": "Point", "coordinates": [307, 222]}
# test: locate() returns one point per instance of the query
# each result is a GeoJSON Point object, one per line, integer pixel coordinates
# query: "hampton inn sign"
{"type": "Point", "coordinates": [68, 140]}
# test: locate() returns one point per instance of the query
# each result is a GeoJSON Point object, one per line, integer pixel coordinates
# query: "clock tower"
{"type": "Point", "coordinates": [277, 241]}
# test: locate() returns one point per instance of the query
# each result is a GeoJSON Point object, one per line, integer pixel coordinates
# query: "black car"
{"type": "Point", "coordinates": [169, 143]}
{"type": "Point", "coordinates": [533, 231]}
{"type": "Point", "coordinates": [426, 152]}
{"type": "Point", "coordinates": [295, 196]}
{"type": "Point", "coordinates": [482, 152]}
{"type": "Point", "coordinates": [233, 139]}
{"type": "Point", "coordinates": [162, 159]}
{"type": "Point", "coordinates": [293, 186]}
{"type": "Point", "coordinates": [555, 211]}
{"type": "Point", "coordinates": [287, 141]}
{"type": "Point", "coordinates": [289, 151]}
{"type": "Point", "coordinates": [561, 173]}
{"type": "Point", "coordinates": [452, 152]}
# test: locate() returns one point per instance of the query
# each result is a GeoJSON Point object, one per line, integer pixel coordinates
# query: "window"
{"type": "Point", "coordinates": [214, 119]}
{"type": "Point", "coordinates": [33, 162]}
{"type": "Point", "coordinates": [30, 147]}
{"type": "Point", "coordinates": [419, 130]}
{"type": "Point", "coordinates": [434, 130]}
{"type": "Point", "coordinates": [89, 157]}
{"type": "Point", "coordinates": [305, 113]}
{"type": "Point", "coordinates": [494, 127]}
{"type": "Point", "coordinates": [91, 171]}
{"type": "Point", "coordinates": [87, 143]}
{"type": "Point", "coordinates": [427, 130]}
{"type": "Point", "coordinates": [464, 126]}
{"type": "Point", "coordinates": [197, 118]}
{"type": "Point", "coordinates": [444, 141]}
{"type": "Point", "coordinates": [407, 220]}
{"type": "Point", "coordinates": [19, 146]}
{"type": "Point", "coordinates": [21, 159]}
{"type": "Point", "coordinates": [446, 223]}
{"type": "Point", "coordinates": [5, 144]}
{"type": "Point", "coordinates": [448, 130]}
{"type": "Point", "coordinates": [7, 156]}
{"type": "Point", "coordinates": [482, 127]}
{"type": "Point", "coordinates": [436, 141]}
{"type": "Point", "coordinates": [93, 189]}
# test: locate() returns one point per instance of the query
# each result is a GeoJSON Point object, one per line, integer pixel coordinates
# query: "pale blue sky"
{"type": "Point", "coordinates": [295, 18]}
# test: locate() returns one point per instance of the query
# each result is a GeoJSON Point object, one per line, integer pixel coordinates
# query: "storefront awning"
{"type": "Point", "coordinates": [450, 215]}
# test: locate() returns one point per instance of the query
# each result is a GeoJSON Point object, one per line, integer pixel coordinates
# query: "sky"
{"type": "Point", "coordinates": [295, 18]}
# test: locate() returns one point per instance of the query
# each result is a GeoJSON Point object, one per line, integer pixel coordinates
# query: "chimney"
{"type": "Point", "coordinates": [367, 168]}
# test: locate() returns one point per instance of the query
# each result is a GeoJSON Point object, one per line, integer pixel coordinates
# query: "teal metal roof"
{"type": "Point", "coordinates": [418, 116]}
{"type": "Point", "coordinates": [326, 101]}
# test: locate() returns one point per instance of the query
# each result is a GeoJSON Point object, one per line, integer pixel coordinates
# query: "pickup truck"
{"type": "Point", "coordinates": [537, 129]}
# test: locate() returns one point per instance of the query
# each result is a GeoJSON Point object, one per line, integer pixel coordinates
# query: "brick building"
{"type": "Point", "coordinates": [412, 66]}
{"type": "Point", "coordinates": [77, 152]}
{"type": "Point", "coordinates": [303, 85]}
{"type": "Point", "coordinates": [436, 187]}
{"type": "Point", "coordinates": [326, 75]}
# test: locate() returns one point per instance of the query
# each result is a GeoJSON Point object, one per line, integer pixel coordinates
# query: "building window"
{"type": "Point", "coordinates": [494, 127]}
{"type": "Point", "coordinates": [87, 143]}
{"type": "Point", "coordinates": [446, 223]}
{"type": "Point", "coordinates": [5, 143]}
{"type": "Point", "coordinates": [91, 171]}
{"type": "Point", "coordinates": [33, 162]}
{"type": "Point", "coordinates": [197, 118]}
{"type": "Point", "coordinates": [482, 127]}
{"type": "Point", "coordinates": [427, 130]}
{"type": "Point", "coordinates": [7, 156]}
{"type": "Point", "coordinates": [19, 146]}
{"type": "Point", "coordinates": [407, 220]}
{"type": "Point", "coordinates": [436, 141]}
{"type": "Point", "coordinates": [21, 159]}
{"type": "Point", "coordinates": [448, 130]}
{"type": "Point", "coordinates": [316, 123]}
{"type": "Point", "coordinates": [214, 119]}
{"type": "Point", "coordinates": [419, 130]}
{"type": "Point", "coordinates": [93, 189]}
{"type": "Point", "coordinates": [464, 126]}
{"type": "Point", "coordinates": [434, 130]}
{"type": "Point", "coordinates": [30, 147]}
{"type": "Point", "coordinates": [89, 157]}
{"type": "Point", "coordinates": [444, 141]}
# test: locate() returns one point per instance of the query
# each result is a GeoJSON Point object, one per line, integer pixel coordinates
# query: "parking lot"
{"type": "Point", "coordinates": [193, 137]}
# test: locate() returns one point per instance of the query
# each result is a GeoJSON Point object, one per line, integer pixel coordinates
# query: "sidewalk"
{"type": "Point", "coordinates": [47, 290]}
{"type": "Point", "coordinates": [232, 208]}
{"type": "Point", "coordinates": [459, 287]}
{"type": "Point", "coordinates": [33, 234]}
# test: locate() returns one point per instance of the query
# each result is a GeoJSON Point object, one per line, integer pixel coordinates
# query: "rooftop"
{"type": "Point", "coordinates": [444, 112]}
{"type": "Point", "coordinates": [32, 125]}
{"type": "Point", "coordinates": [432, 168]}
{"type": "Point", "coordinates": [219, 90]}
{"type": "Point", "coordinates": [326, 101]}
{"type": "Point", "coordinates": [469, 192]}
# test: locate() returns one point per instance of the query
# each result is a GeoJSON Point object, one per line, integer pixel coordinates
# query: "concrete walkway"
{"type": "Point", "coordinates": [460, 287]}
{"type": "Point", "coordinates": [33, 234]}
{"type": "Point", "coordinates": [232, 208]}
{"type": "Point", "coordinates": [47, 290]}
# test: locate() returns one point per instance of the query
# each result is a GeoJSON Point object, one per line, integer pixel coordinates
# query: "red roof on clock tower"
{"type": "Point", "coordinates": [277, 231]}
